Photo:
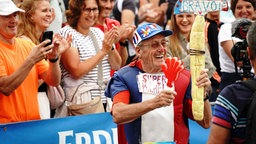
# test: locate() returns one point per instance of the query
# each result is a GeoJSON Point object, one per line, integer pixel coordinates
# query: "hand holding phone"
{"type": "Point", "coordinates": [47, 35]}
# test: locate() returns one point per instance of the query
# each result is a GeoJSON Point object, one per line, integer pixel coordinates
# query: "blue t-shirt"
{"type": "Point", "coordinates": [231, 109]}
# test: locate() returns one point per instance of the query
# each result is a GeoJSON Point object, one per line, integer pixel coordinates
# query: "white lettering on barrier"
{"type": "Point", "coordinates": [81, 136]}
{"type": "Point", "coordinates": [63, 135]}
{"type": "Point", "coordinates": [97, 134]}
{"type": "Point", "coordinates": [85, 138]}
{"type": "Point", "coordinates": [115, 139]}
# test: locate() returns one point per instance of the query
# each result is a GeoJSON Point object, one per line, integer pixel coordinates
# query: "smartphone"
{"type": "Point", "coordinates": [47, 35]}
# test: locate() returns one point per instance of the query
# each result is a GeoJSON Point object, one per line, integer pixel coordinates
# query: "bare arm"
{"type": "Point", "coordinates": [9, 83]}
{"type": "Point", "coordinates": [71, 59]}
{"type": "Point", "coordinates": [152, 12]}
{"type": "Point", "coordinates": [53, 75]}
{"type": "Point", "coordinates": [219, 135]}
{"type": "Point", "coordinates": [128, 17]}
{"type": "Point", "coordinates": [227, 46]}
{"type": "Point", "coordinates": [124, 113]}
{"type": "Point", "coordinates": [206, 122]}
{"type": "Point", "coordinates": [155, 2]}
{"type": "Point", "coordinates": [110, 38]}
{"type": "Point", "coordinates": [114, 59]}
{"type": "Point", "coordinates": [123, 54]}
{"type": "Point", "coordinates": [125, 33]}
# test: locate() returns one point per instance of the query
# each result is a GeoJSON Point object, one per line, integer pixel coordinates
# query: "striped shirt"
{"type": "Point", "coordinates": [86, 50]}
{"type": "Point", "coordinates": [231, 109]}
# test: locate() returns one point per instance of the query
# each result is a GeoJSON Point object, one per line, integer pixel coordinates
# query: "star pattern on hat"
{"type": "Point", "coordinates": [145, 32]}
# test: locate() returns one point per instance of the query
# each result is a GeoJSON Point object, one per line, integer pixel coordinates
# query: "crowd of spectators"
{"type": "Point", "coordinates": [106, 44]}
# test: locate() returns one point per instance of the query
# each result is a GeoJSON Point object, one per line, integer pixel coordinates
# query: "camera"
{"type": "Point", "coordinates": [240, 28]}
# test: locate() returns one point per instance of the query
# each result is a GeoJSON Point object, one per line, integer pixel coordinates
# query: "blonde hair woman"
{"type": "Point", "coordinates": [37, 18]}
{"type": "Point", "coordinates": [181, 24]}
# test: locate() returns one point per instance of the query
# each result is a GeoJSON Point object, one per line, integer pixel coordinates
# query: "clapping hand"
{"type": "Point", "coordinates": [125, 31]}
{"type": "Point", "coordinates": [110, 38]}
{"type": "Point", "coordinates": [60, 45]}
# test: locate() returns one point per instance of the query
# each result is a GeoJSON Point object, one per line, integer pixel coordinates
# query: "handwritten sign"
{"type": "Point", "coordinates": [200, 6]}
{"type": "Point", "coordinates": [151, 83]}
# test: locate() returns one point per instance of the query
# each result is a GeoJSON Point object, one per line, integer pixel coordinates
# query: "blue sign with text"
{"type": "Point", "coordinates": [85, 129]}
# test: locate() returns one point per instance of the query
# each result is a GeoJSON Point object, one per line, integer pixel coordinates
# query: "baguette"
{"type": "Point", "coordinates": [197, 63]}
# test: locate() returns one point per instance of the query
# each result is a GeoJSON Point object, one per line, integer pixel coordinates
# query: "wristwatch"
{"type": "Point", "coordinates": [123, 44]}
{"type": "Point", "coordinates": [206, 98]}
{"type": "Point", "coordinates": [54, 60]}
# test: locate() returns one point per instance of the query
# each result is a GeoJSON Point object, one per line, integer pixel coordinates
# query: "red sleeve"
{"type": "Point", "coordinates": [123, 96]}
{"type": "Point", "coordinates": [110, 21]}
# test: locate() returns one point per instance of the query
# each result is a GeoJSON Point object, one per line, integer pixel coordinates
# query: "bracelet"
{"type": "Point", "coordinates": [54, 60]}
{"type": "Point", "coordinates": [206, 98]}
{"type": "Point", "coordinates": [123, 44]}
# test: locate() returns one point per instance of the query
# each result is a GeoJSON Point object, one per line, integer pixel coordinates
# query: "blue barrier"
{"type": "Point", "coordinates": [85, 129]}
{"type": "Point", "coordinates": [89, 129]}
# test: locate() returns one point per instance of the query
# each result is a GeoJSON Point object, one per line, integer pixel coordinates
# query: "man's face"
{"type": "Point", "coordinates": [8, 26]}
{"type": "Point", "coordinates": [153, 52]}
{"type": "Point", "coordinates": [106, 7]}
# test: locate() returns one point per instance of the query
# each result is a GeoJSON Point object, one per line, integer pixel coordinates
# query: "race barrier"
{"type": "Point", "coordinates": [85, 129]}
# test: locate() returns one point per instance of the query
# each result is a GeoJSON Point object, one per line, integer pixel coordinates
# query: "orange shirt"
{"type": "Point", "coordinates": [21, 104]}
